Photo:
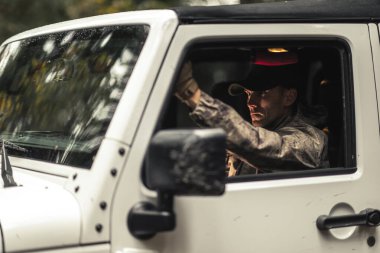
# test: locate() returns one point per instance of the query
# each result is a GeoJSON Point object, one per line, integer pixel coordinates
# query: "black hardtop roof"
{"type": "Point", "coordinates": [286, 11]}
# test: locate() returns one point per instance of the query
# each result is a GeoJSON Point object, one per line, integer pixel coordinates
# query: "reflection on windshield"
{"type": "Point", "coordinates": [58, 92]}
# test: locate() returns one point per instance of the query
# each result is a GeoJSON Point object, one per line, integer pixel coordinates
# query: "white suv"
{"type": "Point", "coordinates": [98, 155]}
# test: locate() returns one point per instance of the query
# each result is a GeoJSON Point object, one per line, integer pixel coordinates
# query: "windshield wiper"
{"type": "Point", "coordinates": [13, 146]}
{"type": "Point", "coordinates": [6, 168]}
{"type": "Point", "coordinates": [40, 133]}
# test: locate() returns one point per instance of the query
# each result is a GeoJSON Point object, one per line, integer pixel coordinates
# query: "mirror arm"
{"type": "Point", "coordinates": [145, 220]}
{"type": "Point", "coordinates": [165, 201]}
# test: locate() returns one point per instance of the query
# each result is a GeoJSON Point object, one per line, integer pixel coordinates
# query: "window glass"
{"type": "Point", "coordinates": [317, 70]}
{"type": "Point", "coordinates": [58, 92]}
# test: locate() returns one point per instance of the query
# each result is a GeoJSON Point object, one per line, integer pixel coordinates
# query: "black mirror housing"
{"type": "Point", "coordinates": [187, 162]}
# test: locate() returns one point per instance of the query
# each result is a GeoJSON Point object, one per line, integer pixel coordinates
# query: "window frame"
{"type": "Point", "coordinates": [348, 106]}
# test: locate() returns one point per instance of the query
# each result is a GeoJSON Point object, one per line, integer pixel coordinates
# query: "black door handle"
{"type": "Point", "coordinates": [368, 217]}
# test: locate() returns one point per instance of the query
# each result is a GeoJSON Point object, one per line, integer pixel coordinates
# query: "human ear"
{"type": "Point", "coordinates": [290, 97]}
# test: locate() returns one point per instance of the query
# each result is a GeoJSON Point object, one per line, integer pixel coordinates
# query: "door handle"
{"type": "Point", "coordinates": [368, 217]}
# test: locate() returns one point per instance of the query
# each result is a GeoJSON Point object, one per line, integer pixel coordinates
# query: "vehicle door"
{"type": "Point", "coordinates": [278, 212]}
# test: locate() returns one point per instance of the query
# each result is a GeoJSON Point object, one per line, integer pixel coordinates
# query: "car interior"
{"type": "Point", "coordinates": [324, 93]}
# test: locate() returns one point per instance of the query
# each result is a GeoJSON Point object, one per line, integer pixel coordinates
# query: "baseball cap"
{"type": "Point", "coordinates": [268, 71]}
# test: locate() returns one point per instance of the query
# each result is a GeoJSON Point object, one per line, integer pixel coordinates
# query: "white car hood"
{"type": "Point", "coordinates": [37, 215]}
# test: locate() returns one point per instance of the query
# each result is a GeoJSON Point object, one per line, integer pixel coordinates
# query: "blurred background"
{"type": "Point", "coordinates": [20, 15]}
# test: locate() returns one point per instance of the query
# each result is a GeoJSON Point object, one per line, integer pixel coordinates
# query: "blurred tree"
{"type": "Point", "coordinates": [86, 8]}
{"type": "Point", "coordinates": [20, 15]}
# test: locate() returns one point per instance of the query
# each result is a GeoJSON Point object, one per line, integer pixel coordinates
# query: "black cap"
{"type": "Point", "coordinates": [268, 71]}
{"type": "Point", "coordinates": [267, 77]}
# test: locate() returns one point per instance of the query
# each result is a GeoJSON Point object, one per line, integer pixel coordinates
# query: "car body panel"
{"type": "Point", "coordinates": [251, 216]}
{"type": "Point", "coordinates": [38, 214]}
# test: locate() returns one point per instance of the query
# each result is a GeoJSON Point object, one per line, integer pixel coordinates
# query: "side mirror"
{"type": "Point", "coordinates": [179, 162]}
{"type": "Point", "coordinates": [187, 162]}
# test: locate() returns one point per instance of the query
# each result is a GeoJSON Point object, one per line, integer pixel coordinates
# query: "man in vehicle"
{"type": "Point", "coordinates": [278, 137]}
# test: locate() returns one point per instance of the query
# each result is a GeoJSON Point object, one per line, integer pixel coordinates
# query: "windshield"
{"type": "Point", "coordinates": [58, 92]}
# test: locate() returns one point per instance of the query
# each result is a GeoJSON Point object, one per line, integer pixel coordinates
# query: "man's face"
{"type": "Point", "coordinates": [267, 106]}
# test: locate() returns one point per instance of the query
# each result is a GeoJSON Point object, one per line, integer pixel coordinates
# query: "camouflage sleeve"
{"type": "Point", "coordinates": [290, 147]}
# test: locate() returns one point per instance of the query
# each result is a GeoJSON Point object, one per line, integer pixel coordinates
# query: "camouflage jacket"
{"type": "Point", "coordinates": [291, 145]}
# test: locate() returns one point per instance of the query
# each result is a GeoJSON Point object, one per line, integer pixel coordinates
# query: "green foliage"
{"type": "Point", "coordinates": [20, 15]}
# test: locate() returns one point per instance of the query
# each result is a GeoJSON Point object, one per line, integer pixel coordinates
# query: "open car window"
{"type": "Point", "coordinates": [324, 94]}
